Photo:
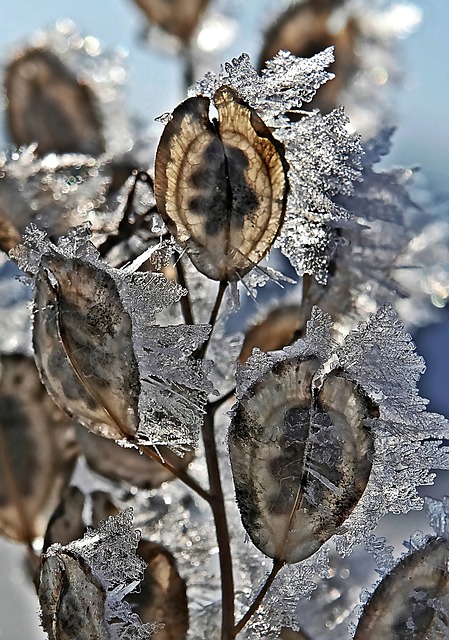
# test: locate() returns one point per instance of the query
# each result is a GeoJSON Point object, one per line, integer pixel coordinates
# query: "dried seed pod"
{"type": "Point", "coordinates": [108, 459]}
{"type": "Point", "coordinates": [83, 346]}
{"type": "Point", "coordinates": [162, 597]}
{"type": "Point", "coordinates": [177, 17]}
{"type": "Point", "coordinates": [37, 451]}
{"type": "Point", "coordinates": [276, 331]}
{"type": "Point", "coordinates": [412, 600]}
{"type": "Point", "coordinates": [221, 186]}
{"type": "Point", "coordinates": [305, 29]}
{"type": "Point", "coordinates": [48, 104]}
{"type": "Point", "coordinates": [66, 524]}
{"type": "Point", "coordinates": [300, 461]}
{"type": "Point", "coordinates": [72, 598]}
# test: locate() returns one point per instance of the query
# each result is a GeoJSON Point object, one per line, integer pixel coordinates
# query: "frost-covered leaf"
{"type": "Point", "coordinates": [300, 463]}
{"type": "Point", "coordinates": [176, 17]}
{"type": "Point", "coordinates": [48, 104]}
{"type": "Point", "coordinates": [98, 352]}
{"type": "Point", "coordinates": [83, 585]}
{"type": "Point", "coordinates": [413, 600]}
{"type": "Point", "coordinates": [221, 186]}
{"type": "Point", "coordinates": [120, 464]}
{"type": "Point", "coordinates": [323, 157]}
{"type": "Point", "coordinates": [38, 451]}
{"type": "Point", "coordinates": [162, 595]}
{"type": "Point", "coordinates": [331, 427]}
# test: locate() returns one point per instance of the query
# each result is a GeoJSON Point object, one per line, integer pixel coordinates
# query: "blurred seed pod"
{"type": "Point", "coordinates": [48, 104]}
{"type": "Point", "coordinates": [162, 596]}
{"type": "Point", "coordinates": [221, 186]}
{"type": "Point", "coordinates": [300, 459]}
{"type": "Point", "coordinates": [179, 18]}
{"type": "Point", "coordinates": [82, 339]}
{"type": "Point", "coordinates": [412, 600]}
{"type": "Point", "coordinates": [308, 27]}
{"type": "Point", "coordinates": [276, 331]}
{"type": "Point", "coordinates": [37, 451]}
{"type": "Point", "coordinates": [108, 459]}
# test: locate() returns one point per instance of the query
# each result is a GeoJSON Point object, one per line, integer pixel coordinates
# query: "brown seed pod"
{"type": "Point", "coordinates": [82, 339]}
{"type": "Point", "coordinates": [108, 459]}
{"type": "Point", "coordinates": [305, 29]}
{"type": "Point", "coordinates": [179, 18]}
{"type": "Point", "coordinates": [162, 597]}
{"type": "Point", "coordinates": [276, 331]}
{"type": "Point", "coordinates": [412, 600]}
{"type": "Point", "coordinates": [66, 524]}
{"type": "Point", "coordinates": [48, 104]}
{"type": "Point", "coordinates": [300, 463]}
{"type": "Point", "coordinates": [72, 599]}
{"type": "Point", "coordinates": [221, 186]}
{"type": "Point", "coordinates": [37, 451]}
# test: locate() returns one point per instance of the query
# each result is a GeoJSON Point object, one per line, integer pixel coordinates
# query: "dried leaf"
{"type": "Point", "coordinates": [300, 457]}
{"type": "Point", "coordinates": [120, 464]}
{"type": "Point", "coordinates": [48, 104]}
{"type": "Point", "coordinates": [177, 17]}
{"type": "Point", "coordinates": [221, 185]}
{"type": "Point", "coordinates": [413, 600]}
{"type": "Point", "coordinates": [37, 451]}
{"type": "Point", "coordinates": [276, 331]}
{"type": "Point", "coordinates": [162, 596]}
{"type": "Point", "coordinates": [82, 339]}
{"type": "Point", "coordinates": [305, 29]}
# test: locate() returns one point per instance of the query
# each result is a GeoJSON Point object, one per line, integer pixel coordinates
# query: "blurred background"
{"type": "Point", "coordinates": [154, 85]}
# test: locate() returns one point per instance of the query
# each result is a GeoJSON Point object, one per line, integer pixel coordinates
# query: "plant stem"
{"type": "Point", "coordinates": [201, 352]}
{"type": "Point", "coordinates": [221, 528]}
{"type": "Point", "coordinates": [188, 66]}
{"type": "Point", "coordinates": [277, 565]}
{"type": "Point", "coordinates": [186, 307]}
{"type": "Point", "coordinates": [181, 474]}
{"type": "Point", "coordinates": [216, 404]}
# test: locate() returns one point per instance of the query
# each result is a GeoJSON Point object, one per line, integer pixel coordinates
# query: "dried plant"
{"type": "Point", "coordinates": [254, 455]}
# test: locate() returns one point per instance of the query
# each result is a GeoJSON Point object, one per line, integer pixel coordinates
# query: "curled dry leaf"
{"type": "Point", "coordinates": [37, 451]}
{"type": "Point", "coordinates": [119, 464]}
{"type": "Point", "coordinates": [48, 104]}
{"type": "Point", "coordinates": [412, 600]}
{"type": "Point", "coordinates": [305, 29]}
{"type": "Point", "coordinates": [162, 597]}
{"type": "Point", "coordinates": [276, 331]}
{"type": "Point", "coordinates": [82, 338]}
{"type": "Point", "coordinates": [300, 457]}
{"type": "Point", "coordinates": [221, 185]}
{"type": "Point", "coordinates": [177, 17]}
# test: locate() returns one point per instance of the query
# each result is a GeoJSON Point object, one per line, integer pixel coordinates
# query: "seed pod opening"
{"type": "Point", "coordinates": [49, 105]}
{"type": "Point", "coordinates": [221, 185]}
{"type": "Point", "coordinates": [300, 462]}
{"type": "Point", "coordinates": [412, 600]}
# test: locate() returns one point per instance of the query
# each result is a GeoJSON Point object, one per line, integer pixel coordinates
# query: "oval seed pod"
{"type": "Point", "coordinates": [48, 104]}
{"type": "Point", "coordinates": [412, 600]}
{"type": "Point", "coordinates": [276, 331]}
{"type": "Point", "coordinates": [221, 186]}
{"type": "Point", "coordinates": [305, 29]}
{"type": "Point", "coordinates": [37, 451]}
{"type": "Point", "coordinates": [82, 339]}
{"type": "Point", "coordinates": [179, 18]}
{"type": "Point", "coordinates": [300, 464]}
{"type": "Point", "coordinates": [162, 595]}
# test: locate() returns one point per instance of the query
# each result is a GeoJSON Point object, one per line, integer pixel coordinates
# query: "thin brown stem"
{"type": "Point", "coordinates": [201, 352]}
{"type": "Point", "coordinates": [179, 473]}
{"type": "Point", "coordinates": [188, 74]}
{"type": "Point", "coordinates": [221, 528]}
{"type": "Point", "coordinates": [277, 565]}
{"type": "Point", "coordinates": [186, 307]}
{"type": "Point", "coordinates": [216, 404]}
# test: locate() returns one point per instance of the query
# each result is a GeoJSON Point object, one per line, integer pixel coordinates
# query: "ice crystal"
{"type": "Point", "coordinates": [173, 386]}
{"type": "Point", "coordinates": [323, 157]}
{"type": "Point", "coordinates": [110, 553]}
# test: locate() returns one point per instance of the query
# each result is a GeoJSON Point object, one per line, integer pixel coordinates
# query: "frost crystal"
{"type": "Point", "coordinates": [110, 555]}
{"type": "Point", "coordinates": [323, 157]}
{"type": "Point", "coordinates": [173, 387]}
